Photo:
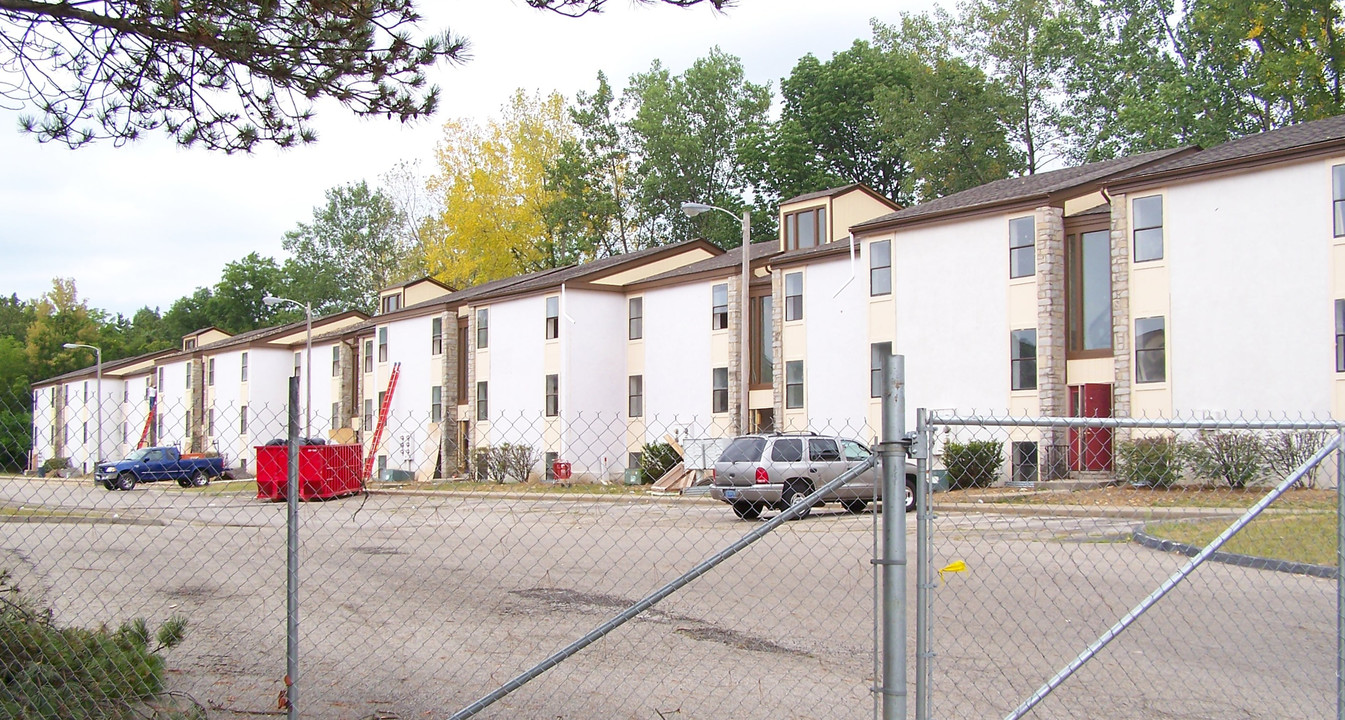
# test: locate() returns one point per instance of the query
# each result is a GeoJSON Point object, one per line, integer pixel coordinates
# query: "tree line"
{"type": "Point", "coordinates": [931, 104]}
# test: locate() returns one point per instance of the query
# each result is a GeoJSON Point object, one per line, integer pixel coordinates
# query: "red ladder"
{"type": "Point", "coordinates": [382, 421]}
{"type": "Point", "coordinates": [144, 434]}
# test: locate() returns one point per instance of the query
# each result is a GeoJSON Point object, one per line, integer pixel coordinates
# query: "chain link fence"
{"type": "Point", "coordinates": [1061, 581]}
{"type": "Point", "coordinates": [468, 560]}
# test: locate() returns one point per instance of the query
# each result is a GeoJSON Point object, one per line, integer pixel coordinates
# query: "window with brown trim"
{"type": "Point", "coordinates": [805, 228]}
{"type": "Point", "coordinates": [719, 311]}
{"type": "Point", "coordinates": [1022, 247]}
{"type": "Point", "coordinates": [761, 340]}
{"type": "Point", "coordinates": [1088, 300]}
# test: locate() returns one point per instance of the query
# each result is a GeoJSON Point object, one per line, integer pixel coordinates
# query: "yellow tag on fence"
{"type": "Point", "coordinates": [956, 566]}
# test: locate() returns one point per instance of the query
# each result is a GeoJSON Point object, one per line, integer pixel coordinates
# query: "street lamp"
{"type": "Point", "coordinates": [98, 388]}
{"type": "Point", "coordinates": [270, 300]}
{"type": "Point", "coordinates": [692, 210]}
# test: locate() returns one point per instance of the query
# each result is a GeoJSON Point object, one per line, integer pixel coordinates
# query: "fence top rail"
{"type": "Point", "coordinates": [948, 418]}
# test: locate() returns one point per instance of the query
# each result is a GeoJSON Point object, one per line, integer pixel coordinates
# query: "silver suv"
{"type": "Point", "coordinates": [756, 472]}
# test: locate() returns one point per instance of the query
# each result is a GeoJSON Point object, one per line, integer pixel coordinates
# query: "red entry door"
{"type": "Point", "coordinates": [1090, 448]}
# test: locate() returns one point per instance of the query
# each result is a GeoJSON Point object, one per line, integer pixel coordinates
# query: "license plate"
{"type": "Point", "coordinates": [730, 494]}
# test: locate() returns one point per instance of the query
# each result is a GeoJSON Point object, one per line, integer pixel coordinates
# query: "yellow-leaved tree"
{"type": "Point", "coordinates": [492, 179]}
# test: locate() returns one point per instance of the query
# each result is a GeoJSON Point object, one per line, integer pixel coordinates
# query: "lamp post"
{"type": "Point", "coordinates": [98, 388]}
{"type": "Point", "coordinates": [270, 300]}
{"type": "Point", "coordinates": [745, 353]}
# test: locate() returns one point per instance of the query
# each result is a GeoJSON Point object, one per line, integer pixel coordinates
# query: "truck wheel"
{"type": "Point", "coordinates": [795, 493]}
{"type": "Point", "coordinates": [184, 482]}
{"type": "Point", "coordinates": [108, 485]}
{"type": "Point", "coordinates": [746, 510]}
{"type": "Point", "coordinates": [200, 479]}
{"type": "Point", "coordinates": [126, 481]}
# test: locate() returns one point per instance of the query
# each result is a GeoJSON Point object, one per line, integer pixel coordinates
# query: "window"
{"type": "Point", "coordinates": [787, 450]}
{"type": "Point", "coordinates": [436, 403]}
{"type": "Point", "coordinates": [719, 390]}
{"type": "Point", "coordinates": [126, 430]}
{"type": "Point", "coordinates": [794, 296]}
{"type": "Point", "coordinates": [189, 344]}
{"type": "Point", "coordinates": [1151, 347]}
{"type": "Point", "coordinates": [719, 311]}
{"type": "Point", "coordinates": [209, 423]}
{"type": "Point", "coordinates": [806, 228]}
{"type": "Point", "coordinates": [482, 409]}
{"type": "Point", "coordinates": [552, 395]}
{"type": "Point", "coordinates": [368, 356]}
{"type": "Point", "coordinates": [336, 361]}
{"type": "Point", "coordinates": [553, 317]}
{"type": "Point", "coordinates": [880, 268]}
{"type": "Point", "coordinates": [1338, 198]}
{"type": "Point", "coordinates": [187, 370]}
{"type": "Point", "coordinates": [245, 367]}
{"type": "Point", "coordinates": [368, 423]}
{"type": "Point", "coordinates": [482, 329]}
{"type": "Point", "coordinates": [161, 385]}
{"type": "Point", "coordinates": [461, 369]}
{"type": "Point", "coordinates": [382, 344]}
{"type": "Point", "coordinates": [1025, 462]}
{"type": "Point", "coordinates": [877, 353]}
{"type": "Point", "coordinates": [242, 420]}
{"type": "Point", "coordinates": [298, 364]}
{"type": "Point", "coordinates": [1023, 359]}
{"type": "Point", "coordinates": [823, 450]}
{"type": "Point", "coordinates": [1340, 335]}
{"type": "Point", "coordinates": [437, 336]}
{"type": "Point", "coordinates": [209, 372]}
{"type": "Point", "coordinates": [1088, 293]}
{"type": "Point", "coordinates": [636, 321]}
{"type": "Point", "coordinates": [1148, 228]}
{"type": "Point", "coordinates": [761, 340]}
{"type": "Point", "coordinates": [794, 384]}
{"type": "Point", "coordinates": [635, 460]}
{"type": "Point", "coordinates": [1022, 247]}
{"type": "Point", "coordinates": [125, 394]}
{"type": "Point", "coordinates": [635, 396]}
{"type": "Point", "coordinates": [86, 431]}
{"type": "Point", "coordinates": [392, 303]}
{"type": "Point", "coordinates": [86, 389]}
{"type": "Point", "coordinates": [336, 415]}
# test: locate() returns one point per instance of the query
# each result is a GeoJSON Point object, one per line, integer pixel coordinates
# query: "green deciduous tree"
{"type": "Point", "coordinates": [60, 317]}
{"type": "Point", "coordinates": [354, 247]}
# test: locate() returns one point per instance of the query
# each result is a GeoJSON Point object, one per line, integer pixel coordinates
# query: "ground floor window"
{"type": "Point", "coordinates": [1025, 462]}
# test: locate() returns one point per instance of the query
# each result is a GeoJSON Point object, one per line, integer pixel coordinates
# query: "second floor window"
{"type": "Point", "coordinates": [636, 321]}
{"type": "Point", "coordinates": [245, 367]}
{"type": "Point", "coordinates": [1088, 296]}
{"type": "Point", "coordinates": [210, 372]}
{"type": "Point", "coordinates": [436, 403]}
{"type": "Point", "coordinates": [1340, 336]}
{"type": "Point", "coordinates": [719, 307]}
{"type": "Point", "coordinates": [242, 419]}
{"type": "Point", "coordinates": [1149, 228]}
{"type": "Point", "coordinates": [635, 399]}
{"type": "Point", "coordinates": [437, 336]}
{"type": "Point", "coordinates": [806, 228]}
{"type": "Point", "coordinates": [553, 317]}
{"type": "Point", "coordinates": [552, 395]}
{"type": "Point", "coordinates": [877, 353]}
{"type": "Point", "coordinates": [382, 344]}
{"type": "Point", "coordinates": [1151, 350]}
{"type": "Point", "coordinates": [1338, 198]}
{"type": "Point", "coordinates": [336, 361]}
{"type": "Point", "coordinates": [1022, 247]}
{"type": "Point", "coordinates": [298, 364]}
{"type": "Point", "coordinates": [482, 408]}
{"type": "Point", "coordinates": [482, 328]}
{"type": "Point", "coordinates": [794, 296]}
{"type": "Point", "coordinates": [1023, 359]}
{"type": "Point", "coordinates": [880, 268]}
{"type": "Point", "coordinates": [794, 384]}
{"type": "Point", "coordinates": [368, 356]}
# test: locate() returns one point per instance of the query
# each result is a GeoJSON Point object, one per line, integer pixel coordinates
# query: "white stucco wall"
{"type": "Point", "coordinates": [1251, 325]}
{"type": "Point", "coordinates": [950, 283]}
{"type": "Point", "coordinates": [593, 381]}
{"type": "Point", "coordinates": [174, 403]}
{"type": "Point", "coordinates": [134, 412]}
{"type": "Point", "coordinates": [410, 441]}
{"type": "Point", "coordinates": [517, 373]}
{"type": "Point", "coordinates": [677, 361]}
{"type": "Point", "coordinates": [836, 365]}
{"type": "Point", "coordinates": [269, 371]}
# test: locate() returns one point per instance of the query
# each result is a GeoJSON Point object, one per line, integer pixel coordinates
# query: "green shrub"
{"type": "Point", "coordinates": [504, 462]}
{"type": "Point", "coordinates": [1287, 451]}
{"type": "Point", "coordinates": [1232, 457]}
{"type": "Point", "coordinates": [656, 460]}
{"type": "Point", "coordinates": [74, 673]}
{"type": "Point", "coordinates": [51, 465]}
{"type": "Point", "coordinates": [1150, 461]}
{"type": "Point", "coordinates": [973, 464]}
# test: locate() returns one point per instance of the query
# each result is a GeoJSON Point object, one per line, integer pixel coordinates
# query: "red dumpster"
{"type": "Point", "coordinates": [560, 470]}
{"type": "Point", "coordinates": [325, 471]}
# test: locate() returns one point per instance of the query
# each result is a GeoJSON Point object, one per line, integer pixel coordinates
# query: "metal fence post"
{"type": "Point", "coordinates": [1340, 576]}
{"type": "Point", "coordinates": [893, 562]}
{"type": "Point", "coordinates": [923, 568]}
{"type": "Point", "coordinates": [292, 558]}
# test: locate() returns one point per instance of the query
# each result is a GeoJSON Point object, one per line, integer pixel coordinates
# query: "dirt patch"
{"type": "Point", "coordinates": [735, 639]}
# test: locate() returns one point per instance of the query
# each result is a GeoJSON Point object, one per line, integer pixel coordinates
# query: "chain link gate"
{"type": "Point", "coordinates": [1128, 568]}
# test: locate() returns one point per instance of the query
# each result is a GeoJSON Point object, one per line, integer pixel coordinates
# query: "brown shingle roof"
{"type": "Point", "coordinates": [1010, 191]}
{"type": "Point", "coordinates": [729, 260]}
{"type": "Point", "coordinates": [571, 273]}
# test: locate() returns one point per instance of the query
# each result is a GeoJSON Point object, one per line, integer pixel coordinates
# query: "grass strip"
{"type": "Point", "coordinates": [1309, 538]}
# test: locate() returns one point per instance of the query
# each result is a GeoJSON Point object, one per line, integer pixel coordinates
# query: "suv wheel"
{"type": "Point", "coordinates": [910, 494]}
{"type": "Point", "coordinates": [795, 493]}
{"type": "Point", "coordinates": [746, 510]}
{"type": "Point", "coordinates": [856, 505]}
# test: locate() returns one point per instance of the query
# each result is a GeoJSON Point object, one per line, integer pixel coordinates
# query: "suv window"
{"type": "Point", "coordinates": [787, 451]}
{"type": "Point", "coordinates": [854, 451]}
{"type": "Point", "coordinates": [823, 450]}
{"type": "Point", "coordinates": [744, 449]}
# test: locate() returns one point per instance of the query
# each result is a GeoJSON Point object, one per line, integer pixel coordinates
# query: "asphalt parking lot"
{"type": "Point", "coordinates": [414, 606]}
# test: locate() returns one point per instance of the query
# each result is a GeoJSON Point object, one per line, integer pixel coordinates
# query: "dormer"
{"type": "Point", "coordinates": [825, 216]}
{"type": "Point", "coordinates": [204, 336]}
{"type": "Point", "coordinates": [410, 292]}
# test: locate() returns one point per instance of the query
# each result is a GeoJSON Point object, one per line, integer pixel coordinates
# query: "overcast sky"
{"type": "Point", "coordinates": [146, 223]}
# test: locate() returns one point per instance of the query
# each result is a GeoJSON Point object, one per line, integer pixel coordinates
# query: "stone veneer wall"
{"type": "Point", "coordinates": [448, 436]}
{"type": "Point", "coordinates": [736, 369]}
{"type": "Point", "coordinates": [778, 346]}
{"type": "Point", "coordinates": [1120, 308]}
{"type": "Point", "coordinates": [1052, 391]}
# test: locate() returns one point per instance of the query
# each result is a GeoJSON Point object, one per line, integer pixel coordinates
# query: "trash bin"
{"type": "Point", "coordinates": [325, 471]}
